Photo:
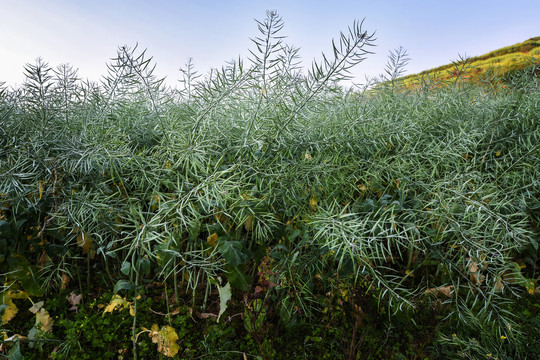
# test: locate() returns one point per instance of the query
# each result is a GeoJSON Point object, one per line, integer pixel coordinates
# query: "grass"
{"type": "Point", "coordinates": [493, 66]}
{"type": "Point", "coordinates": [322, 208]}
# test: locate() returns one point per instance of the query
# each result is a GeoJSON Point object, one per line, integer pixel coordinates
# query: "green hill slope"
{"type": "Point", "coordinates": [498, 63]}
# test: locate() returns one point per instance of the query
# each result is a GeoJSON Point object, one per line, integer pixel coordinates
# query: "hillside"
{"type": "Point", "coordinates": [498, 63]}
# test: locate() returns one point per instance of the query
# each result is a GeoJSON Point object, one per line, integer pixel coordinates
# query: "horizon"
{"type": "Point", "coordinates": [86, 34]}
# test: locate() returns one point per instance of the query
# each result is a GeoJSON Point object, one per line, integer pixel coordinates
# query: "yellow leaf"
{"type": "Point", "coordinates": [85, 242]}
{"type": "Point", "coordinates": [530, 287]}
{"type": "Point", "coordinates": [344, 294]}
{"type": "Point", "coordinates": [313, 203]}
{"type": "Point", "coordinates": [154, 202]}
{"type": "Point", "coordinates": [166, 340]}
{"type": "Point", "coordinates": [40, 190]}
{"type": "Point", "coordinates": [10, 311]}
{"type": "Point", "coordinates": [46, 321]}
{"type": "Point", "coordinates": [212, 239]}
{"type": "Point", "coordinates": [17, 294]}
{"type": "Point", "coordinates": [248, 224]}
{"type": "Point", "coordinates": [116, 301]}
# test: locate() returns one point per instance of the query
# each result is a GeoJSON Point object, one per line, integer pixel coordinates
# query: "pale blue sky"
{"type": "Point", "coordinates": [87, 33]}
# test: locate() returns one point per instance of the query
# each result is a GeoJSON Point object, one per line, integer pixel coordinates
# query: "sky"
{"type": "Point", "coordinates": [87, 33]}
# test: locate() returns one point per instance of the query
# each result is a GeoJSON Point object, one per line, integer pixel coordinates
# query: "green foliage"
{"type": "Point", "coordinates": [338, 217]}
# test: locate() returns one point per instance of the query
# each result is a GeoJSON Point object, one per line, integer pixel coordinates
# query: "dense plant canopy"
{"type": "Point", "coordinates": [270, 192]}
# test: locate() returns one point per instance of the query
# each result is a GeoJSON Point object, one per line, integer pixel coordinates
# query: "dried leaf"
{"type": "Point", "coordinates": [212, 239]}
{"type": "Point", "coordinates": [65, 281]}
{"type": "Point", "coordinates": [44, 259]}
{"type": "Point", "coordinates": [46, 321]}
{"type": "Point", "coordinates": [441, 290]}
{"type": "Point", "coordinates": [499, 285]}
{"type": "Point", "coordinates": [473, 270]}
{"type": "Point", "coordinates": [74, 300]}
{"type": "Point", "coordinates": [224, 297]}
{"type": "Point", "coordinates": [205, 315]}
{"type": "Point", "coordinates": [166, 340]}
{"type": "Point", "coordinates": [35, 308]}
{"type": "Point", "coordinates": [43, 320]}
{"type": "Point", "coordinates": [7, 342]}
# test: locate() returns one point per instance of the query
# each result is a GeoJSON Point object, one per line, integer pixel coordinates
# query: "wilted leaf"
{"type": "Point", "coordinates": [473, 271]}
{"type": "Point", "coordinates": [46, 321]}
{"type": "Point", "coordinates": [248, 224]}
{"type": "Point", "coordinates": [44, 259]}
{"type": "Point", "coordinates": [224, 296]}
{"type": "Point", "coordinates": [257, 290]}
{"type": "Point", "coordinates": [166, 340]}
{"type": "Point", "coordinates": [441, 290]}
{"type": "Point", "coordinates": [117, 301]}
{"type": "Point", "coordinates": [65, 281]}
{"type": "Point", "coordinates": [4, 346]}
{"type": "Point", "coordinates": [205, 315]}
{"type": "Point", "coordinates": [74, 300]}
{"type": "Point", "coordinates": [35, 308]}
{"type": "Point", "coordinates": [313, 203]}
{"type": "Point", "coordinates": [499, 285]}
{"type": "Point", "coordinates": [154, 202]}
{"type": "Point", "coordinates": [40, 188]}
{"type": "Point", "coordinates": [85, 242]}
{"type": "Point", "coordinates": [17, 294]}
{"type": "Point", "coordinates": [212, 239]}
{"type": "Point", "coordinates": [11, 309]}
